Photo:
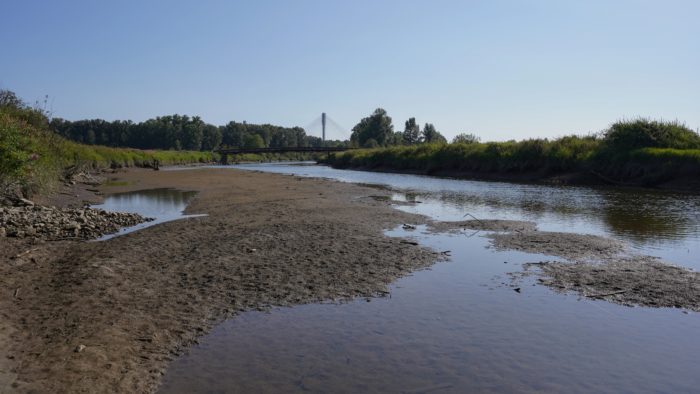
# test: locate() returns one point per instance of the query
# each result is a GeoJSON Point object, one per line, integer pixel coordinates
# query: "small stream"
{"type": "Point", "coordinates": [460, 326]}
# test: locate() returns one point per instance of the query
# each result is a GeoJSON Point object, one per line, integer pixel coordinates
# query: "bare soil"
{"type": "Point", "coordinates": [602, 268]}
{"type": "Point", "coordinates": [108, 316]}
{"type": "Point", "coordinates": [632, 281]}
{"type": "Point", "coordinates": [571, 246]}
{"type": "Point", "coordinates": [508, 226]}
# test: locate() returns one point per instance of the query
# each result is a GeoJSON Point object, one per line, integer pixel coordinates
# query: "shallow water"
{"type": "Point", "coordinates": [460, 326]}
{"type": "Point", "coordinates": [163, 205]}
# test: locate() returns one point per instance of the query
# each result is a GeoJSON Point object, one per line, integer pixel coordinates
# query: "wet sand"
{"type": "Point", "coordinates": [109, 316]}
{"type": "Point", "coordinates": [594, 267]}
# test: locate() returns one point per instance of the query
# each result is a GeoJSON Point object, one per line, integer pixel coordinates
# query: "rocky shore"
{"type": "Point", "coordinates": [51, 223]}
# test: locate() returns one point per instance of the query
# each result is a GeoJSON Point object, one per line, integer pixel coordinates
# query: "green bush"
{"type": "Point", "coordinates": [645, 133]}
{"type": "Point", "coordinates": [641, 151]}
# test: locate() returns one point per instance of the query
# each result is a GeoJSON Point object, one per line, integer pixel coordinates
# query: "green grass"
{"type": "Point", "coordinates": [530, 155]}
{"type": "Point", "coordinates": [271, 157]}
{"type": "Point", "coordinates": [639, 151]}
{"type": "Point", "coordinates": [36, 158]}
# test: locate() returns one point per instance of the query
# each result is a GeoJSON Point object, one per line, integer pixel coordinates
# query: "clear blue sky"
{"type": "Point", "coordinates": [499, 69]}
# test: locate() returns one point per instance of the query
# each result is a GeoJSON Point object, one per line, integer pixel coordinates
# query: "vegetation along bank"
{"type": "Point", "coordinates": [639, 152]}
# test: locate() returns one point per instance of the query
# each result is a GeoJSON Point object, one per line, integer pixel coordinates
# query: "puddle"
{"type": "Point", "coordinates": [163, 205]}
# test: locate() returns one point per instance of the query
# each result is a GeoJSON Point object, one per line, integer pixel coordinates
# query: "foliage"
{"type": "Point", "coordinates": [181, 132]}
{"type": "Point", "coordinates": [530, 155]}
{"type": "Point", "coordinates": [607, 158]}
{"type": "Point", "coordinates": [35, 157]}
{"type": "Point", "coordinates": [465, 138]}
{"type": "Point", "coordinates": [645, 133]}
{"type": "Point", "coordinates": [411, 132]}
{"type": "Point", "coordinates": [374, 130]}
{"type": "Point", "coordinates": [431, 135]}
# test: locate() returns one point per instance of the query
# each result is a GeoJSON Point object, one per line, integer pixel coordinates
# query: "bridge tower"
{"type": "Point", "coordinates": [323, 125]}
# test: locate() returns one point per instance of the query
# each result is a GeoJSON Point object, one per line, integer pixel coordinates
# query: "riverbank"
{"type": "Point", "coordinates": [109, 316]}
{"type": "Point", "coordinates": [636, 153]}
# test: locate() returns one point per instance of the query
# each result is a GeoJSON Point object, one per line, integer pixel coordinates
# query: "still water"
{"type": "Point", "coordinates": [163, 205]}
{"type": "Point", "coordinates": [460, 326]}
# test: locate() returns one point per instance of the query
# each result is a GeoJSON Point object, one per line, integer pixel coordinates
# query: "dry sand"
{"type": "Point", "coordinates": [109, 316]}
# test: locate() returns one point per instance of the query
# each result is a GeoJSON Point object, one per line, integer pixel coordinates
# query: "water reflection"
{"type": "Point", "coordinates": [456, 328]}
{"type": "Point", "coordinates": [163, 205]}
{"type": "Point", "coordinates": [661, 223]}
{"type": "Point", "coordinates": [460, 327]}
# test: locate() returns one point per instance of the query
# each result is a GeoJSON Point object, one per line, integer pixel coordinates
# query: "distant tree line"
{"type": "Point", "coordinates": [377, 130]}
{"type": "Point", "coordinates": [182, 132]}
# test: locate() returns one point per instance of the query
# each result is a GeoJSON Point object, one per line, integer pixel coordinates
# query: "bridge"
{"type": "Point", "coordinates": [324, 120]}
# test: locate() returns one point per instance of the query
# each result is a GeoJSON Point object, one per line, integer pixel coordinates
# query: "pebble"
{"type": "Point", "coordinates": [41, 222]}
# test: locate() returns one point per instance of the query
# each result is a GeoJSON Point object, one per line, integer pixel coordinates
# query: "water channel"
{"type": "Point", "coordinates": [460, 326]}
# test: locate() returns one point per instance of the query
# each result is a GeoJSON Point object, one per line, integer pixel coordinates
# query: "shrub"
{"type": "Point", "coordinates": [644, 133]}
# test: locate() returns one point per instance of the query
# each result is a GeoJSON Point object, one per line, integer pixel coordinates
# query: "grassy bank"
{"type": "Point", "coordinates": [273, 157]}
{"type": "Point", "coordinates": [35, 159]}
{"type": "Point", "coordinates": [639, 152]}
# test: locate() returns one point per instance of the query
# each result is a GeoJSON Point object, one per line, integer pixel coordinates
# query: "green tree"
{"type": "Point", "coordinates": [192, 133]}
{"type": "Point", "coordinates": [91, 139]}
{"type": "Point", "coordinates": [431, 135]}
{"type": "Point", "coordinates": [211, 137]}
{"type": "Point", "coordinates": [377, 127]}
{"type": "Point", "coordinates": [411, 132]}
{"type": "Point", "coordinates": [9, 99]}
{"type": "Point", "coordinates": [253, 141]}
{"type": "Point", "coordinates": [465, 138]}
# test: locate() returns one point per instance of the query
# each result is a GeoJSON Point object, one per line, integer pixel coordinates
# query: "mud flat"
{"type": "Point", "coordinates": [109, 316]}
{"type": "Point", "coordinates": [602, 268]}
{"type": "Point", "coordinates": [594, 267]}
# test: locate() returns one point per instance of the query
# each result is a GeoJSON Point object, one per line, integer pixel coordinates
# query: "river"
{"type": "Point", "coordinates": [460, 326]}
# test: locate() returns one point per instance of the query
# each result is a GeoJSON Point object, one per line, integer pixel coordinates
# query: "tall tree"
{"type": "Point", "coordinates": [431, 135]}
{"type": "Point", "coordinates": [411, 132]}
{"type": "Point", "coordinates": [376, 127]}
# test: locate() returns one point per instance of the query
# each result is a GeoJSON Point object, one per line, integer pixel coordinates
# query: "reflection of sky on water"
{"type": "Point", "coordinates": [459, 326]}
{"type": "Point", "coordinates": [660, 223]}
{"type": "Point", "coordinates": [454, 328]}
{"type": "Point", "coordinates": [163, 205]}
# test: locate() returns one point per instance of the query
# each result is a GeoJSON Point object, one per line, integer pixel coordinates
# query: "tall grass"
{"type": "Point", "coordinates": [35, 158]}
{"type": "Point", "coordinates": [639, 151]}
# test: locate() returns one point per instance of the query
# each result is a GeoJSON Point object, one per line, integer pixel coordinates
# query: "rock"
{"type": "Point", "coordinates": [3, 232]}
{"type": "Point", "coordinates": [79, 348]}
{"type": "Point", "coordinates": [72, 226]}
{"type": "Point", "coordinates": [47, 223]}
{"type": "Point", "coordinates": [25, 202]}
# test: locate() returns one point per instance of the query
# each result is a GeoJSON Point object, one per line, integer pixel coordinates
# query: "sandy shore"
{"type": "Point", "coordinates": [109, 316]}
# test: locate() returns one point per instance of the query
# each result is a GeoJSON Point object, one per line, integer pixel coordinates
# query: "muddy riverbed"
{"type": "Point", "coordinates": [112, 316]}
{"type": "Point", "coordinates": [498, 315]}
{"type": "Point", "coordinates": [109, 316]}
